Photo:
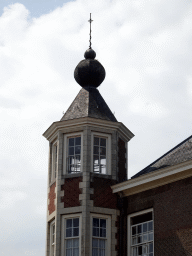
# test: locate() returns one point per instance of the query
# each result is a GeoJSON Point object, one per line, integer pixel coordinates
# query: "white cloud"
{"type": "Point", "coordinates": [145, 47]}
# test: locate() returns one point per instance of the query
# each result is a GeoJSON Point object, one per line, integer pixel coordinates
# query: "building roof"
{"type": "Point", "coordinates": [179, 154]}
{"type": "Point", "coordinates": [89, 103]}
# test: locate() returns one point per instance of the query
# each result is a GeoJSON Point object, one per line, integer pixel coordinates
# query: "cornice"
{"type": "Point", "coordinates": [154, 179]}
{"type": "Point", "coordinates": [57, 126]}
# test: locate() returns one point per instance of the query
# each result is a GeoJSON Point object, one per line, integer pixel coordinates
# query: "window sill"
{"type": "Point", "coordinates": [52, 182]}
{"type": "Point", "coordinates": [100, 175]}
{"type": "Point", "coordinates": [72, 175]}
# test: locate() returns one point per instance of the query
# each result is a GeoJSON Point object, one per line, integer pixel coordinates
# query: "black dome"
{"type": "Point", "coordinates": [89, 72]}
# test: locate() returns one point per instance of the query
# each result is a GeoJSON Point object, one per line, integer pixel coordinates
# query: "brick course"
{"type": "Point", "coordinates": [71, 192]}
{"type": "Point", "coordinates": [52, 196]}
{"type": "Point", "coordinates": [103, 196]}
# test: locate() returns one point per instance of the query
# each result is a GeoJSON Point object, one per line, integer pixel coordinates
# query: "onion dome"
{"type": "Point", "coordinates": [89, 72]}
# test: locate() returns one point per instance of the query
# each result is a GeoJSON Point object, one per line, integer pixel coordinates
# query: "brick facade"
{"type": "Point", "coordinates": [103, 195]}
{"type": "Point", "coordinates": [122, 172]}
{"type": "Point", "coordinates": [172, 206]}
{"type": "Point", "coordinates": [71, 192]}
{"type": "Point", "coordinates": [52, 197]}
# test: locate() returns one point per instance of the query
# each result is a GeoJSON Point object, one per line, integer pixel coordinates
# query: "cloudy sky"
{"type": "Point", "coordinates": [146, 49]}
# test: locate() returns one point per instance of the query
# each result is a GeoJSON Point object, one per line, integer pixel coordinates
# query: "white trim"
{"type": "Point", "coordinates": [64, 217]}
{"type": "Point", "coordinates": [129, 228]}
{"type": "Point", "coordinates": [51, 253]}
{"type": "Point", "coordinates": [66, 136]}
{"type": "Point", "coordinates": [108, 150]}
{"type": "Point", "coordinates": [49, 133]}
{"type": "Point", "coordinates": [171, 172]}
{"type": "Point", "coordinates": [55, 144]}
{"type": "Point", "coordinates": [108, 231]}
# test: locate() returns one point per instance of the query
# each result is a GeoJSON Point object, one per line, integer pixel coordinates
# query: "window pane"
{"type": "Point", "coordinates": [95, 243]}
{"type": "Point", "coordinates": [103, 151]}
{"type": "Point", "coordinates": [103, 169]}
{"type": "Point", "coordinates": [144, 227]}
{"type": "Point", "coordinates": [69, 243]}
{"type": "Point", "coordinates": [76, 252]}
{"type": "Point", "coordinates": [71, 141]}
{"type": "Point", "coordinates": [96, 141]}
{"type": "Point", "coordinates": [102, 252]}
{"type": "Point", "coordinates": [102, 232]}
{"type": "Point", "coordinates": [76, 243]}
{"type": "Point", "coordinates": [150, 236]}
{"type": "Point", "coordinates": [69, 232]}
{"type": "Point", "coordinates": [76, 222]}
{"type": "Point", "coordinates": [69, 223]}
{"type": "Point", "coordinates": [103, 223]}
{"type": "Point", "coordinates": [95, 222]}
{"type": "Point", "coordinates": [151, 254]}
{"type": "Point", "coordinates": [145, 249]}
{"type": "Point", "coordinates": [139, 229]}
{"type": "Point", "coordinates": [95, 252]}
{"type": "Point", "coordinates": [134, 251]}
{"type": "Point", "coordinates": [77, 150]}
{"type": "Point", "coordinates": [71, 151]}
{"type": "Point", "coordinates": [150, 225]}
{"type": "Point", "coordinates": [151, 247]}
{"type": "Point", "coordinates": [145, 238]}
{"type": "Point", "coordinates": [96, 232]}
{"type": "Point", "coordinates": [78, 141]}
{"type": "Point", "coordinates": [96, 150]}
{"type": "Point", "coordinates": [134, 240]}
{"type": "Point", "coordinates": [139, 239]}
{"type": "Point", "coordinates": [103, 142]}
{"type": "Point", "coordinates": [134, 230]}
{"type": "Point", "coordinates": [76, 232]}
{"type": "Point", "coordinates": [102, 244]}
{"type": "Point", "coordinates": [68, 252]}
{"type": "Point", "coordinates": [140, 250]}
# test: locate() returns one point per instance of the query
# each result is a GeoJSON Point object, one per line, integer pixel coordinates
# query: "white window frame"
{"type": "Point", "coordinates": [129, 228]}
{"type": "Point", "coordinates": [108, 231]}
{"type": "Point", "coordinates": [108, 151]}
{"type": "Point", "coordinates": [63, 231]}
{"type": "Point", "coordinates": [54, 162]}
{"type": "Point", "coordinates": [52, 251]}
{"type": "Point", "coordinates": [66, 136]}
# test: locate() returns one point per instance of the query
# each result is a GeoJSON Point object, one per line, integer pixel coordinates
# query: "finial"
{"type": "Point", "coordinates": [90, 20]}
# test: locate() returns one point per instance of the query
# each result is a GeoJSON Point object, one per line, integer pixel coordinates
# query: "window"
{"type": "Point", "coordinates": [54, 161]}
{"type": "Point", "coordinates": [71, 235]}
{"type": "Point", "coordinates": [101, 153]}
{"type": "Point", "coordinates": [72, 153]}
{"type": "Point", "coordinates": [141, 240]}
{"type": "Point", "coordinates": [100, 235]}
{"type": "Point", "coordinates": [52, 239]}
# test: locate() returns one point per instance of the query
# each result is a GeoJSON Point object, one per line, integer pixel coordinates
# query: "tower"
{"type": "Point", "coordinates": [87, 155]}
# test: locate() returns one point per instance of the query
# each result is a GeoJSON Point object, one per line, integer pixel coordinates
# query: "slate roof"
{"type": "Point", "coordinates": [89, 103]}
{"type": "Point", "coordinates": [181, 153]}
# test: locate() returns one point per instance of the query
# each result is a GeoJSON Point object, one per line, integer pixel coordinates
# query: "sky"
{"type": "Point", "coordinates": [146, 49]}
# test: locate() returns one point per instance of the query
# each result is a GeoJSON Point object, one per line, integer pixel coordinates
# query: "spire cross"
{"type": "Point", "coordinates": [90, 20]}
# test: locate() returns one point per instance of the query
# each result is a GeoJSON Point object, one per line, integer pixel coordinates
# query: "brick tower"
{"type": "Point", "coordinates": [87, 155]}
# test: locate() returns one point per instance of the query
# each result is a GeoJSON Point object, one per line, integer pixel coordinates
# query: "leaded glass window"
{"type": "Point", "coordinates": [99, 154]}
{"type": "Point", "coordinates": [142, 235]}
{"type": "Point", "coordinates": [74, 154]}
{"type": "Point", "coordinates": [99, 237]}
{"type": "Point", "coordinates": [72, 237]}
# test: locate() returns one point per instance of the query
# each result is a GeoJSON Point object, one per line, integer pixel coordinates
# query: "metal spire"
{"type": "Point", "coordinates": [90, 20]}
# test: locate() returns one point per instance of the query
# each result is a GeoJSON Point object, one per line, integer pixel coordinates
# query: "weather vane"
{"type": "Point", "coordinates": [90, 20]}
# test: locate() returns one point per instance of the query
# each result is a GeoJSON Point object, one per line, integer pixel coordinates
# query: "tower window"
{"type": "Point", "coordinates": [99, 154]}
{"type": "Point", "coordinates": [52, 239]}
{"type": "Point", "coordinates": [74, 154]}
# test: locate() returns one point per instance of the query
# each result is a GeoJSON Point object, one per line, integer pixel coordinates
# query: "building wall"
{"type": "Point", "coordinates": [172, 206]}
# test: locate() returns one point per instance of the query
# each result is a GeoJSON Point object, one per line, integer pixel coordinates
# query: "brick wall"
{"type": "Point", "coordinates": [52, 196]}
{"type": "Point", "coordinates": [122, 173]}
{"type": "Point", "coordinates": [172, 206]}
{"type": "Point", "coordinates": [71, 192]}
{"type": "Point", "coordinates": [103, 196]}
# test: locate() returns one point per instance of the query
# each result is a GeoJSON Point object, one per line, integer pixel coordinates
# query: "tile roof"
{"type": "Point", "coordinates": [181, 153]}
{"type": "Point", "coordinates": [89, 103]}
